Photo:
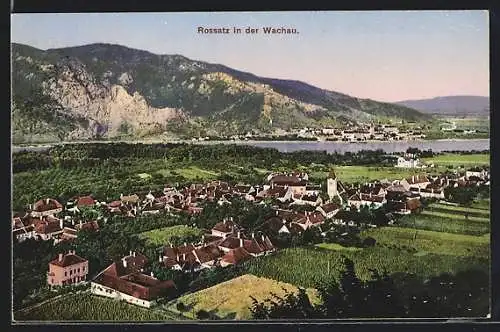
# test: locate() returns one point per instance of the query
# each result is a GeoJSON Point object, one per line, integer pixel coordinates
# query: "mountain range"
{"type": "Point", "coordinates": [106, 90]}
{"type": "Point", "coordinates": [451, 105]}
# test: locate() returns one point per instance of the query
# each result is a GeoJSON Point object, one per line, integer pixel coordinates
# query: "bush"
{"type": "Point", "coordinates": [369, 242]}
{"type": "Point", "coordinates": [202, 314]}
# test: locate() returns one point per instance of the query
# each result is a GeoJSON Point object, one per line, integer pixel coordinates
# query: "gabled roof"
{"type": "Point", "coordinates": [417, 179]}
{"type": "Point", "coordinates": [90, 225]}
{"type": "Point", "coordinates": [230, 242]}
{"type": "Point", "coordinates": [236, 256]}
{"type": "Point", "coordinates": [47, 205]}
{"type": "Point", "coordinates": [226, 226]}
{"type": "Point", "coordinates": [45, 227]}
{"type": "Point", "coordinates": [174, 251]}
{"type": "Point", "coordinates": [253, 246]}
{"type": "Point", "coordinates": [85, 201]}
{"type": "Point", "coordinates": [316, 217]}
{"type": "Point", "coordinates": [68, 260]}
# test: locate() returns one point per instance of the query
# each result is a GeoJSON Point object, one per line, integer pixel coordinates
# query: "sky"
{"type": "Point", "coordinates": [381, 55]}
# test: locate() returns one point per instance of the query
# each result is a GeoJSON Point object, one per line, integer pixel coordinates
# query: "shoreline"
{"type": "Point", "coordinates": [41, 145]}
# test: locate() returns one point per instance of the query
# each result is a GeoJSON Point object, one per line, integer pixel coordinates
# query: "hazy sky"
{"type": "Point", "coordinates": [387, 56]}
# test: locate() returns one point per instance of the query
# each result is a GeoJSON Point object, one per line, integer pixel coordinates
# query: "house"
{"type": "Point", "coordinates": [231, 242]}
{"type": "Point", "coordinates": [48, 228]}
{"type": "Point", "coordinates": [403, 202]}
{"type": "Point", "coordinates": [92, 226]}
{"type": "Point", "coordinates": [22, 230]}
{"type": "Point", "coordinates": [114, 207]}
{"type": "Point", "coordinates": [68, 269]}
{"type": "Point", "coordinates": [173, 256]}
{"type": "Point", "coordinates": [296, 182]}
{"type": "Point", "coordinates": [130, 200]}
{"type": "Point", "coordinates": [403, 162]}
{"type": "Point", "coordinates": [85, 201]}
{"type": "Point", "coordinates": [235, 256]}
{"type": "Point", "coordinates": [358, 200]}
{"type": "Point", "coordinates": [225, 228]}
{"type": "Point", "coordinates": [420, 181]}
{"type": "Point", "coordinates": [46, 207]}
{"type": "Point", "coordinates": [328, 210]}
{"type": "Point", "coordinates": [68, 234]}
{"type": "Point", "coordinates": [125, 280]}
{"type": "Point", "coordinates": [312, 200]}
{"type": "Point", "coordinates": [478, 172]}
{"type": "Point", "coordinates": [309, 219]}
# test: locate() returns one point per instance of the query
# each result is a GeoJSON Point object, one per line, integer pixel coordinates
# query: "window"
{"type": "Point", "coordinates": [70, 272]}
{"type": "Point", "coordinates": [52, 281]}
{"type": "Point", "coordinates": [65, 273]}
{"type": "Point", "coordinates": [83, 269]}
{"type": "Point", "coordinates": [78, 270]}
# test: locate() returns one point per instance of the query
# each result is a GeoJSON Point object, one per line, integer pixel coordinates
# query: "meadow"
{"type": "Point", "coordinates": [88, 307]}
{"type": "Point", "coordinates": [174, 234]}
{"type": "Point", "coordinates": [231, 299]}
{"type": "Point", "coordinates": [307, 266]}
{"type": "Point", "coordinates": [453, 159]}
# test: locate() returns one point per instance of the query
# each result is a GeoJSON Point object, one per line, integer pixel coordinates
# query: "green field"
{"type": "Point", "coordinates": [442, 224]}
{"type": "Point", "coordinates": [87, 307]}
{"type": "Point", "coordinates": [231, 299]}
{"type": "Point", "coordinates": [368, 173]}
{"type": "Point", "coordinates": [163, 236]}
{"type": "Point", "coordinates": [306, 266]}
{"type": "Point", "coordinates": [451, 159]}
{"type": "Point", "coordinates": [431, 242]}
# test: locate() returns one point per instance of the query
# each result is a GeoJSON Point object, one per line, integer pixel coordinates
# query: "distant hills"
{"type": "Point", "coordinates": [451, 105]}
{"type": "Point", "coordinates": [105, 91]}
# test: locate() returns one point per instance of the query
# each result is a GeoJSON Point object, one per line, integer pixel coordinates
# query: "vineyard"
{"type": "Point", "coordinates": [306, 266]}
{"type": "Point", "coordinates": [87, 307]}
{"type": "Point", "coordinates": [456, 224]}
{"type": "Point", "coordinates": [432, 242]}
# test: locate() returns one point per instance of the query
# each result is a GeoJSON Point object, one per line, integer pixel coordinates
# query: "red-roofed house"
{"type": "Point", "coordinates": [67, 269]}
{"type": "Point", "coordinates": [235, 256]}
{"type": "Point", "coordinates": [124, 280]}
{"type": "Point", "coordinates": [46, 207]}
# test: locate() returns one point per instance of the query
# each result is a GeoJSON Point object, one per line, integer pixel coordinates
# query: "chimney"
{"type": "Point", "coordinates": [238, 236]}
{"type": "Point", "coordinates": [413, 178]}
{"type": "Point", "coordinates": [277, 212]}
{"type": "Point", "coordinates": [185, 244]}
{"type": "Point", "coordinates": [80, 223]}
{"type": "Point", "coordinates": [263, 239]}
{"type": "Point", "coordinates": [183, 257]}
{"type": "Point", "coordinates": [159, 259]}
{"type": "Point", "coordinates": [253, 235]}
{"type": "Point", "coordinates": [130, 253]}
{"type": "Point", "coordinates": [152, 274]}
{"type": "Point", "coordinates": [231, 218]}
{"type": "Point", "coordinates": [61, 224]}
{"type": "Point", "coordinates": [177, 257]}
{"type": "Point", "coordinates": [203, 238]}
{"type": "Point", "coordinates": [241, 242]}
{"type": "Point", "coordinates": [124, 261]}
{"type": "Point", "coordinates": [133, 254]}
{"type": "Point", "coordinates": [224, 221]}
{"type": "Point", "coordinates": [60, 257]}
{"type": "Point", "coordinates": [47, 201]}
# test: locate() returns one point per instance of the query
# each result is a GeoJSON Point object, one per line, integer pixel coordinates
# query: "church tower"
{"type": "Point", "coordinates": [331, 184]}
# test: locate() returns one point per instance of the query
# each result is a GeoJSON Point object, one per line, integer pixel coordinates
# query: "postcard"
{"type": "Point", "coordinates": [241, 166]}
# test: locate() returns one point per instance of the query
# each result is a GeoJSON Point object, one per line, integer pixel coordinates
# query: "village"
{"type": "Point", "coordinates": [297, 205]}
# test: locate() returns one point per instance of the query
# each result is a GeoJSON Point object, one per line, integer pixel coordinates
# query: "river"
{"type": "Point", "coordinates": [339, 147]}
